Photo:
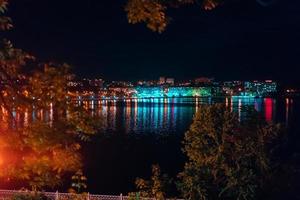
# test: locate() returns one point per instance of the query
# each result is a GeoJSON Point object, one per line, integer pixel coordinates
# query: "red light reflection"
{"type": "Point", "coordinates": [268, 109]}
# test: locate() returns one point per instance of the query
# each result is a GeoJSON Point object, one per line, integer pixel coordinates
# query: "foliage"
{"type": "Point", "coordinates": [31, 196]}
{"type": "Point", "coordinates": [78, 183]}
{"type": "Point", "coordinates": [156, 187]}
{"type": "Point", "coordinates": [226, 159]}
{"type": "Point", "coordinates": [46, 147]}
{"type": "Point", "coordinates": [150, 12]}
{"type": "Point", "coordinates": [153, 12]}
{"type": "Point", "coordinates": [5, 22]}
{"type": "Point", "coordinates": [37, 154]}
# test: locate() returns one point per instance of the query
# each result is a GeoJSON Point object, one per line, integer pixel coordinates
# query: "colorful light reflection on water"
{"type": "Point", "coordinates": [127, 156]}
{"type": "Point", "coordinates": [165, 115]}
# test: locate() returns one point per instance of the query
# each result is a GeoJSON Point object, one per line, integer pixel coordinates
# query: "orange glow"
{"type": "Point", "coordinates": [1, 160]}
{"type": "Point", "coordinates": [226, 102]}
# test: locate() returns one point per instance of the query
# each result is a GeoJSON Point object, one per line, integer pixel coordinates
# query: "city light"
{"type": "Point", "coordinates": [168, 88]}
{"type": "Point", "coordinates": [159, 92]}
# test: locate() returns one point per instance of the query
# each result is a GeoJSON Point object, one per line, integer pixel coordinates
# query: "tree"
{"type": "Point", "coordinates": [78, 183]}
{"type": "Point", "coordinates": [154, 12]}
{"type": "Point", "coordinates": [46, 147]}
{"type": "Point", "coordinates": [227, 159]}
{"type": "Point", "coordinates": [155, 188]}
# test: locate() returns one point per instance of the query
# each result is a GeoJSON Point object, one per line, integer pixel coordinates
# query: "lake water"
{"type": "Point", "coordinates": [137, 134]}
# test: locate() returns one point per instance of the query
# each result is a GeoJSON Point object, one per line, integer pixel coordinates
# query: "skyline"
{"type": "Point", "coordinates": [242, 41]}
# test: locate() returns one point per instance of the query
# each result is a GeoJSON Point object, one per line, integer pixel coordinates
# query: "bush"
{"type": "Point", "coordinates": [31, 196]}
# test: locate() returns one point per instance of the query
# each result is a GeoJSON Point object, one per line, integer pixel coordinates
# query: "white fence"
{"type": "Point", "coordinates": [8, 194]}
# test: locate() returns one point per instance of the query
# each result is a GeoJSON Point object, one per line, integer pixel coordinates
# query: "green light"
{"type": "Point", "coordinates": [158, 92]}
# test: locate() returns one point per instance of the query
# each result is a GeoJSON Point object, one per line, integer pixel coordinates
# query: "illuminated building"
{"type": "Point", "coordinates": [148, 92]}
{"type": "Point", "coordinates": [158, 92]}
{"type": "Point", "coordinates": [184, 83]}
{"type": "Point", "coordinates": [250, 88]}
{"type": "Point", "coordinates": [170, 81]}
{"type": "Point", "coordinates": [96, 83]}
{"type": "Point", "coordinates": [188, 91]}
{"type": "Point", "coordinates": [119, 84]}
{"type": "Point", "coordinates": [74, 83]}
{"type": "Point", "coordinates": [121, 92]}
{"type": "Point", "coordinates": [292, 92]}
{"type": "Point", "coordinates": [147, 83]}
{"type": "Point", "coordinates": [260, 88]}
{"type": "Point", "coordinates": [166, 87]}
{"type": "Point", "coordinates": [162, 80]}
{"type": "Point", "coordinates": [203, 80]}
{"type": "Point", "coordinates": [232, 88]}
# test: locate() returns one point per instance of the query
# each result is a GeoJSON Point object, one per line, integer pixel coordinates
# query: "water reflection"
{"type": "Point", "coordinates": [289, 110]}
{"type": "Point", "coordinates": [165, 115]}
{"type": "Point", "coordinates": [162, 115]}
{"type": "Point", "coordinates": [269, 108]}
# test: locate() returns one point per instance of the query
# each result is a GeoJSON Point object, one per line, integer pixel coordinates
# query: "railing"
{"type": "Point", "coordinates": [9, 194]}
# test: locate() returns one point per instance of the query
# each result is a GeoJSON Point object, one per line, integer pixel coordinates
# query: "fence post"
{"type": "Point", "coordinates": [88, 196]}
{"type": "Point", "coordinates": [121, 196]}
{"type": "Point", "coordinates": [56, 195]}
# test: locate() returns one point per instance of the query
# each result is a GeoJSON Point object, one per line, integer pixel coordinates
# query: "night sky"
{"type": "Point", "coordinates": [242, 40]}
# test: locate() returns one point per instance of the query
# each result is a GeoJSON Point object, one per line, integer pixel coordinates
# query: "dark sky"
{"type": "Point", "coordinates": [242, 40]}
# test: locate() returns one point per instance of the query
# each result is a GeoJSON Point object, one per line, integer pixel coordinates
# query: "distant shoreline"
{"type": "Point", "coordinates": [87, 98]}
